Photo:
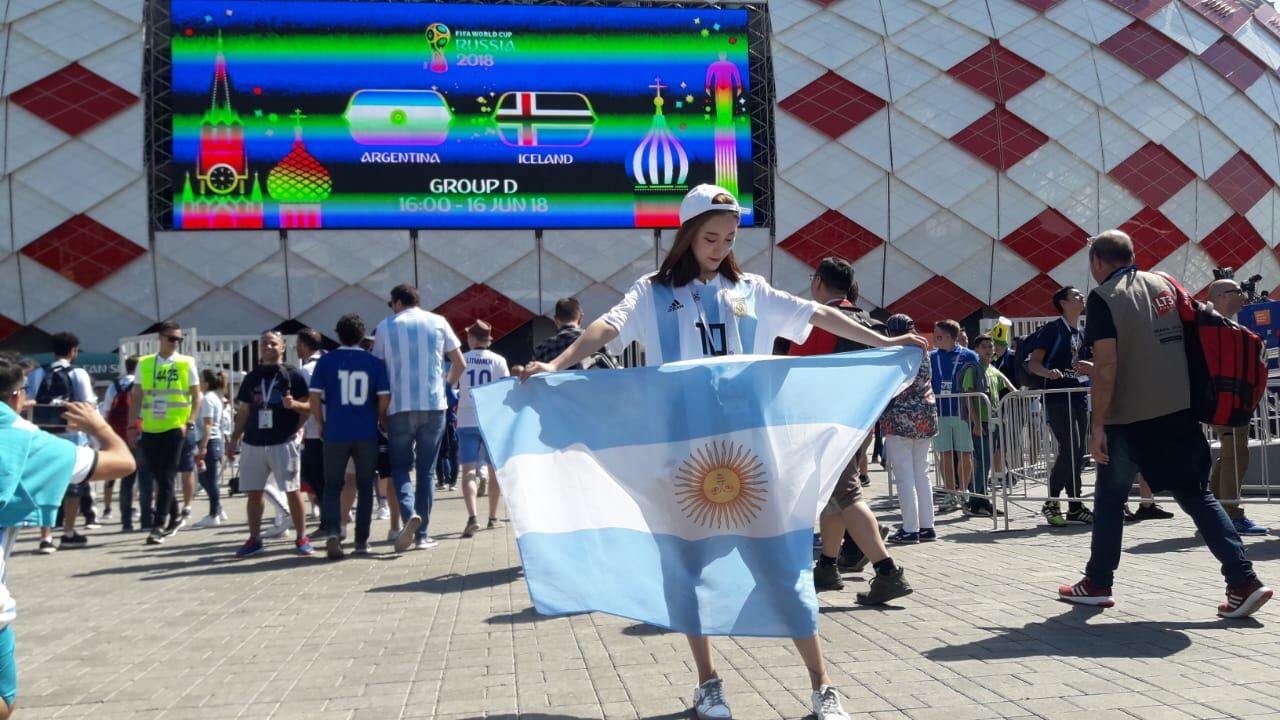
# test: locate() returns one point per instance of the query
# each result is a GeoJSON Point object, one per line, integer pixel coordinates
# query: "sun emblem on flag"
{"type": "Point", "coordinates": [721, 485]}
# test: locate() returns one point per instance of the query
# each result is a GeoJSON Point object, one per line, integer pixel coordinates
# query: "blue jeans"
{"type": "Point", "coordinates": [146, 485]}
{"type": "Point", "coordinates": [208, 477]}
{"type": "Point", "coordinates": [1173, 456]}
{"type": "Point", "coordinates": [414, 443]}
{"type": "Point", "coordinates": [336, 455]}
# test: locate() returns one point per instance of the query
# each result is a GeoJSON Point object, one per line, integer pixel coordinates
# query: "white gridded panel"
{"type": "Point", "coordinates": [1185, 27]}
{"type": "Point", "coordinates": [1092, 20]}
{"type": "Point", "coordinates": [828, 39]}
{"type": "Point", "coordinates": [598, 254]}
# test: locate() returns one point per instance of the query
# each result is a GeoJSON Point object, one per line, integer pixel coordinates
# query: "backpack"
{"type": "Point", "coordinates": [1226, 363]}
{"type": "Point", "coordinates": [1026, 346]}
{"type": "Point", "coordinates": [863, 318]}
{"type": "Point", "coordinates": [121, 403]}
{"type": "Point", "coordinates": [56, 389]}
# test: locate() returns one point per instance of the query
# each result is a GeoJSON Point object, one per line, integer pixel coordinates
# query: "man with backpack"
{"type": "Point", "coordinates": [115, 407]}
{"type": "Point", "coordinates": [846, 513]}
{"type": "Point", "coordinates": [1233, 458]}
{"type": "Point", "coordinates": [1053, 352]}
{"type": "Point", "coordinates": [1142, 396]}
{"type": "Point", "coordinates": [53, 386]}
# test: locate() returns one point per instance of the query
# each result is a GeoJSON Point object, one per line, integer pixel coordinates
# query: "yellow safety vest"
{"type": "Point", "coordinates": [166, 397]}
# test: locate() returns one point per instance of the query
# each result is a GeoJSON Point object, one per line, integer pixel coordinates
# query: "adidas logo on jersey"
{"type": "Point", "coordinates": [674, 306]}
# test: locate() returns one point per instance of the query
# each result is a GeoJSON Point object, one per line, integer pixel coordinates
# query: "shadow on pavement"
{"type": "Point", "coordinates": [826, 609]}
{"type": "Point", "coordinates": [1256, 548]}
{"type": "Point", "coordinates": [527, 615]}
{"type": "Point", "coordinates": [644, 630]}
{"type": "Point", "coordinates": [993, 536]}
{"type": "Point", "coordinates": [1070, 635]}
{"type": "Point", "coordinates": [453, 582]}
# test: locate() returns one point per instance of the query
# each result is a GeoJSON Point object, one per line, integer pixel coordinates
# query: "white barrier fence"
{"type": "Point", "coordinates": [236, 355]}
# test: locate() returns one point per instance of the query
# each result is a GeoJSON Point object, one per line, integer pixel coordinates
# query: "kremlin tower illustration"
{"type": "Point", "coordinates": [299, 183]}
{"type": "Point", "coordinates": [660, 167]}
{"type": "Point", "coordinates": [224, 195]}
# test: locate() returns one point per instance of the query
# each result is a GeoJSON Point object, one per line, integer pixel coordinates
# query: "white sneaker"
{"type": "Point", "coordinates": [276, 530]}
{"type": "Point", "coordinates": [208, 521]}
{"type": "Point", "coordinates": [405, 539]}
{"type": "Point", "coordinates": [425, 543]}
{"type": "Point", "coordinates": [384, 512]}
{"type": "Point", "coordinates": [709, 702]}
{"type": "Point", "coordinates": [222, 514]}
{"type": "Point", "coordinates": [392, 535]}
{"type": "Point", "coordinates": [826, 704]}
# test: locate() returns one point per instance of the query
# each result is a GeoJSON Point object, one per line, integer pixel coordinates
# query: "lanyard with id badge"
{"type": "Point", "coordinates": [265, 416]}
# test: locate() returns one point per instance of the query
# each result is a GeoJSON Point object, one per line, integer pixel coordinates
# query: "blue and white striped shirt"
{"type": "Point", "coordinates": [413, 343]}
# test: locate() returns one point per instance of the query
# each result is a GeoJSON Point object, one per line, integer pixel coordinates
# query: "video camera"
{"type": "Point", "coordinates": [1249, 287]}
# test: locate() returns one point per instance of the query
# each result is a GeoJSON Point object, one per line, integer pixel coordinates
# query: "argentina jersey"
{"type": "Point", "coordinates": [413, 343]}
{"type": "Point", "coordinates": [709, 319]}
{"type": "Point", "coordinates": [350, 381]}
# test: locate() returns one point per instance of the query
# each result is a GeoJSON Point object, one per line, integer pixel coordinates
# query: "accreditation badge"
{"type": "Point", "coordinates": [159, 408]}
{"type": "Point", "coordinates": [739, 307]}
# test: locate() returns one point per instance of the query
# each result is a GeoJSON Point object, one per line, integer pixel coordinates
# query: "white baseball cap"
{"type": "Point", "coordinates": [701, 199]}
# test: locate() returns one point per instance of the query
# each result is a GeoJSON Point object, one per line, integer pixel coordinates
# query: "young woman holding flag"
{"type": "Point", "coordinates": [701, 304]}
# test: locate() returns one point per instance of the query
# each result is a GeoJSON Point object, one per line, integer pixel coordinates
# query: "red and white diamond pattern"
{"type": "Point", "coordinates": [958, 152]}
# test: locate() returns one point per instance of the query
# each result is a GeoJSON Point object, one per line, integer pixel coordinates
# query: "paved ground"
{"type": "Point", "coordinates": [184, 631]}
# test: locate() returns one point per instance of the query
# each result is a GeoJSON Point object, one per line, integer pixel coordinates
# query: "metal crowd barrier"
{"type": "Point", "coordinates": [1031, 448]}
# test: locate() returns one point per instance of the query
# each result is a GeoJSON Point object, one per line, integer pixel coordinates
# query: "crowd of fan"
{"type": "Point", "coordinates": [394, 421]}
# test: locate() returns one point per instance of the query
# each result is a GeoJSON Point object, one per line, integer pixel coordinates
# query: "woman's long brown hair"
{"type": "Point", "coordinates": [680, 266]}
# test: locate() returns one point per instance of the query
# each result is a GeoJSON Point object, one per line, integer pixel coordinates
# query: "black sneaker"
{"type": "Point", "coordinates": [886, 587]}
{"type": "Point", "coordinates": [851, 558]}
{"type": "Point", "coordinates": [46, 548]}
{"type": "Point", "coordinates": [864, 481]}
{"type": "Point", "coordinates": [156, 536]}
{"type": "Point", "coordinates": [827, 577]}
{"type": "Point", "coordinates": [1080, 517]}
{"type": "Point", "coordinates": [74, 540]}
{"type": "Point", "coordinates": [493, 523]}
{"type": "Point", "coordinates": [1152, 512]}
{"type": "Point", "coordinates": [333, 547]}
{"type": "Point", "coordinates": [1129, 517]}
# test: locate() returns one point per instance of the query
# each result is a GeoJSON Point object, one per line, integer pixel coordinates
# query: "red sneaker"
{"type": "Point", "coordinates": [1245, 601]}
{"type": "Point", "coordinates": [1086, 593]}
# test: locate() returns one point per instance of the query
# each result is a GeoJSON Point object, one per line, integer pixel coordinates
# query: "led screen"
{"type": "Point", "coordinates": [420, 115]}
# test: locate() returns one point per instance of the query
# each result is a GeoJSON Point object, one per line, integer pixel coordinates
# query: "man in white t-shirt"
{"type": "Point", "coordinates": [35, 470]}
{"type": "Point", "coordinates": [483, 367]}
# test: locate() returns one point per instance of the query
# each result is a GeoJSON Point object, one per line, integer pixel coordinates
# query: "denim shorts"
{"type": "Point", "coordinates": [187, 460]}
{"type": "Point", "coordinates": [471, 446]}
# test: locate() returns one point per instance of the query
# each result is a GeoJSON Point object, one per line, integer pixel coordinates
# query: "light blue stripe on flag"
{"type": "Point", "coordinates": [683, 495]}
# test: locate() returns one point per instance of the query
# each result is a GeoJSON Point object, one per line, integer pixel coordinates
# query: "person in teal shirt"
{"type": "Point", "coordinates": [35, 470]}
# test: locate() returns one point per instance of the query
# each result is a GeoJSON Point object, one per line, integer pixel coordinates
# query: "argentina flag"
{"type": "Point", "coordinates": [683, 495]}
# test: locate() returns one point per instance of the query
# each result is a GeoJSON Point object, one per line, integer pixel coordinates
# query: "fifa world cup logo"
{"type": "Point", "coordinates": [438, 37]}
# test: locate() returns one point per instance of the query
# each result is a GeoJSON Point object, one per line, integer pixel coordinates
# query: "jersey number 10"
{"type": "Point", "coordinates": [355, 387]}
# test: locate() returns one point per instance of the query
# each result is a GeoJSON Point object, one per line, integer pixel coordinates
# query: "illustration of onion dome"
{"type": "Point", "coordinates": [299, 177]}
{"type": "Point", "coordinates": [659, 160]}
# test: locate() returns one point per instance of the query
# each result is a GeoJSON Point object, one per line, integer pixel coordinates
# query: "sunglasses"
{"type": "Point", "coordinates": [173, 338]}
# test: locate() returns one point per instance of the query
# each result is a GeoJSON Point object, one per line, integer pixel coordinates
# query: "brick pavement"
{"type": "Point", "coordinates": [119, 630]}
